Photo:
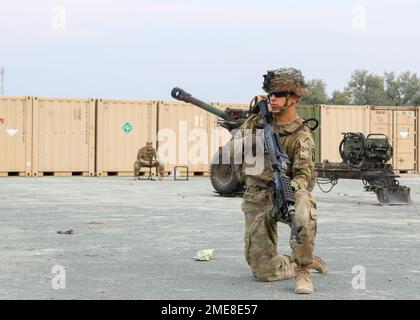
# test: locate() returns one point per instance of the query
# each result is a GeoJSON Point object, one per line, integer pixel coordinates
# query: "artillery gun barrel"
{"type": "Point", "coordinates": [179, 94]}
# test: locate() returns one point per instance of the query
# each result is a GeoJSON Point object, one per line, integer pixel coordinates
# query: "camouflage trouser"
{"type": "Point", "coordinates": [261, 234]}
{"type": "Point", "coordinates": [138, 164]}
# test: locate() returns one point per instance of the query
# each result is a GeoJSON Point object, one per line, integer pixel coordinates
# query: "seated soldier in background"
{"type": "Point", "coordinates": [146, 157]}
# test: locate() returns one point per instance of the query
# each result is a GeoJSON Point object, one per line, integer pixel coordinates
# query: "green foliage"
{"type": "Point", "coordinates": [340, 98]}
{"type": "Point", "coordinates": [416, 99]}
{"type": "Point", "coordinates": [409, 87]}
{"type": "Point", "coordinates": [392, 91]}
{"type": "Point", "coordinates": [365, 88]}
{"type": "Point", "coordinates": [316, 93]}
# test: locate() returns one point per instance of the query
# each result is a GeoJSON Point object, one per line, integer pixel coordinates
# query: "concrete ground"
{"type": "Point", "coordinates": [137, 240]}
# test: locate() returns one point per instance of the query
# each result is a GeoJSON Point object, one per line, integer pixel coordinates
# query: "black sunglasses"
{"type": "Point", "coordinates": [281, 94]}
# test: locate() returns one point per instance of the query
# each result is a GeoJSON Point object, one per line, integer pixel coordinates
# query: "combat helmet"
{"type": "Point", "coordinates": [285, 79]}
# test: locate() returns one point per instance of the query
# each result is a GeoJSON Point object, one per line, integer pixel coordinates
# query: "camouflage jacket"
{"type": "Point", "coordinates": [298, 143]}
{"type": "Point", "coordinates": [144, 154]}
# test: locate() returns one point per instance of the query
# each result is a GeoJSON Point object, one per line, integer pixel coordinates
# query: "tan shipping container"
{"type": "Point", "coordinates": [63, 136]}
{"type": "Point", "coordinates": [399, 124]}
{"type": "Point", "coordinates": [15, 136]}
{"type": "Point", "coordinates": [336, 120]}
{"type": "Point", "coordinates": [183, 136]}
{"type": "Point", "coordinates": [405, 139]}
{"type": "Point", "coordinates": [123, 127]}
{"type": "Point", "coordinates": [381, 121]}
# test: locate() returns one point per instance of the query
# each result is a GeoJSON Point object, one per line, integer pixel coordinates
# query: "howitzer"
{"type": "Point", "coordinates": [281, 192]}
{"type": "Point", "coordinates": [365, 158]}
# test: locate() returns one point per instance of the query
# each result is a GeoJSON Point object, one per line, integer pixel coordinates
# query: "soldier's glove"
{"type": "Point", "coordinates": [294, 185]}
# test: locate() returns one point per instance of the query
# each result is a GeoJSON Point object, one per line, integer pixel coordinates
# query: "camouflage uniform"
{"type": "Point", "coordinates": [144, 156]}
{"type": "Point", "coordinates": [261, 216]}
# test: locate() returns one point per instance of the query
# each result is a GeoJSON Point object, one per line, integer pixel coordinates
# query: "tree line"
{"type": "Point", "coordinates": [365, 88]}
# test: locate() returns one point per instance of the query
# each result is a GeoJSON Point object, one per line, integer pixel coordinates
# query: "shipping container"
{"type": "Point", "coordinates": [399, 124]}
{"type": "Point", "coordinates": [15, 136]}
{"type": "Point", "coordinates": [405, 139]}
{"type": "Point", "coordinates": [123, 127]}
{"type": "Point", "coordinates": [63, 137]}
{"type": "Point", "coordinates": [183, 136]}
{"type": "Point", "coordinates": [336, 120]}
{"type": "Point", "coordinates": [381, 121]}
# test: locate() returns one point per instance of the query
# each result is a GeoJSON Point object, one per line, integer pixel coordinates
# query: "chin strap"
{"type": "Point", "coordinates": [286, 106]}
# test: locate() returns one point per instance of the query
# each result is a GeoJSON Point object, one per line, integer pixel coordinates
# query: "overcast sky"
{"type": "Point", "coordinates": [217, 50]}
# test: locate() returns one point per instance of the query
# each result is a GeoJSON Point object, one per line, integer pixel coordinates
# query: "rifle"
{"type": "Point", "coordinates": [281, 192]}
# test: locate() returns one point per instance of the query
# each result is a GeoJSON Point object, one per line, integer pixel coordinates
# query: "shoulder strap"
{"type": "Point", "coordinates": [305, 123]}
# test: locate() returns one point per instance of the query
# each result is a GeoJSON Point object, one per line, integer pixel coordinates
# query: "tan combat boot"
{"type": "Point", "coordinates": [303, 284]}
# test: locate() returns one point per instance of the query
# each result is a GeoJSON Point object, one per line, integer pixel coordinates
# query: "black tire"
{"type": "Point", "coordinates": [223, 177]}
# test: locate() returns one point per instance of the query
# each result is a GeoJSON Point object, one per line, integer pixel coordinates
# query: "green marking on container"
{"type": "Point", "coordinates": [127, 127]}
